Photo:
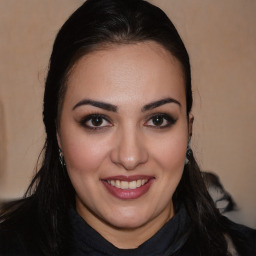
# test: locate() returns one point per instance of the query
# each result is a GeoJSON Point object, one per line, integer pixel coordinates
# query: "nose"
{"type": "Point", "coordinates": [129, 150]}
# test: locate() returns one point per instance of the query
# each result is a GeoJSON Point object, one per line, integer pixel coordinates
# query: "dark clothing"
{"type": "Point", "coordinates": [173, 239]}
{"type": "Point", "coordinates": [170, 239]}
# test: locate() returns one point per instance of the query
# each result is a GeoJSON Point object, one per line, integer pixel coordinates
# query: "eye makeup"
{"type": "Point", "coordinates": [160, 121]}
{"type": "Point", "coordinates": [95, 121]}
{"type": "Point", "coordinates": [99, 121]}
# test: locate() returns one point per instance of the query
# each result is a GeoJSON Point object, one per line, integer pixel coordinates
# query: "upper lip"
{"type": "Point", "coordinates": [129, 178]}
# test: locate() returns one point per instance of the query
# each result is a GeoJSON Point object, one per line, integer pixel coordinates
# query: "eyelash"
{"type": "Point", "coordinates": [164, 117]}
{"type": "Point", "coordinates": [94, 116]}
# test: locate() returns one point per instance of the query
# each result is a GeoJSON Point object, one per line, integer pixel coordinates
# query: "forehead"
{"type": "Point", "coordinates": [142, 72]}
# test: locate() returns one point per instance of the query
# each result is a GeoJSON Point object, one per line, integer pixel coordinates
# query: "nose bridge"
{"type": "Point", "coordinates": [130, 150]}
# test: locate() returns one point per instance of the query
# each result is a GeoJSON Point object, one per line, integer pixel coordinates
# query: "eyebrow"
{"type": "Point", "coordinates": [98, 104]}
{"type": "Point", "coordinates": [159, 103]}
{"type": "Point", "coordinates": [114, 108]}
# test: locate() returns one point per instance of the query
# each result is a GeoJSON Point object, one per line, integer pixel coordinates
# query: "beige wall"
{"type": "Point", "coordinates": [221, 39]}
{"type": "Point", "coordinates": [27, 31]}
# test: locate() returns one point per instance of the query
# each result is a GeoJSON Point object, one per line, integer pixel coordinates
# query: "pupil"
{"type": "Point", "coordinates": [158, 120]}
{"type": "Point", "coordinates": [97, 121]}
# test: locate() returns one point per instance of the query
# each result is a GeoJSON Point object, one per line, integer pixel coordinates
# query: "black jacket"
{"type": "Point", "coordinates": [174, 238]}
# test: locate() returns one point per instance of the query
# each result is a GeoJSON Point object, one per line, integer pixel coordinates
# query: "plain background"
{"type": "Point", "coordinates": [220, 37]}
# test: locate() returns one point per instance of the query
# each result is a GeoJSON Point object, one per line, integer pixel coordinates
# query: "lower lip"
{"type": "Point", "coordinates": [127, 194]}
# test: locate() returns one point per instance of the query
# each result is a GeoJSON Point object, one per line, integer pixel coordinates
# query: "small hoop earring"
{"type": "Point", "coordinates": [61, 158]}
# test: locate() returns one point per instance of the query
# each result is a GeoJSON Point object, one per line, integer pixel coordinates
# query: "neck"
{"type": "Point", "coordinates": [123, 237]}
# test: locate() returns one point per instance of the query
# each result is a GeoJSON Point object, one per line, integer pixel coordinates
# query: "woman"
{"type": "Point", "coordinates": [118, 176]}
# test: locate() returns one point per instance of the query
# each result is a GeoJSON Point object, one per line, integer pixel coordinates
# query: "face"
{"type": "Point", "coordinates": [124, 133]}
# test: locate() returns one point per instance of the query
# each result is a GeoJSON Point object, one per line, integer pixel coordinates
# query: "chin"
{"type": "Point", "coordinates": [128, 221]}
{"type": "Point", "coordinates": [128, 224]}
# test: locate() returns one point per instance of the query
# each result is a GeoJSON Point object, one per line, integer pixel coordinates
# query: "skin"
{"type": "Point", "coordinates": [129, 142]}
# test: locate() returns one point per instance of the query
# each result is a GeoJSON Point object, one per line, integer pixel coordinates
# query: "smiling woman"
{"type": "Point", "coordinates": [128, 140]}
{"type": "Point", "coordinates": [118, 175]}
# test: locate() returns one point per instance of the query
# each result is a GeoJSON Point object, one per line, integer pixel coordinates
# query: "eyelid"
{"type": "Point", "coordinates": [169, 118]}
{"type": "Point", "coordinates": [93, 115]}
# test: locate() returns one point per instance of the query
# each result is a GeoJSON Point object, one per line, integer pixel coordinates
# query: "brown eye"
{"type": "Point", "coordinates": [160, 121]}
{"type": "Point", "coordinates": [95, 121]}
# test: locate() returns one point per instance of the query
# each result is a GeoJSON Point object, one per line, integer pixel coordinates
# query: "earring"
{"type": "Point", "coordinates": [61, 157]}
{"type": "Point", "coordinates": [188, 154]}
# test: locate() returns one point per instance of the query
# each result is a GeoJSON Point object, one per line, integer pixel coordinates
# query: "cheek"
{"type": "Point", "coordinates": [84, 154]}
{"type": "Point", "coordinates": [170, 157]}
{"type": "Point", "coordinates": [170, 153]}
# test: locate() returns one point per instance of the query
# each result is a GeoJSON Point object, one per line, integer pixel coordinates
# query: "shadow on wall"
{"type": "Point", "coordinates": [222, 199]}
{"type": "Point", "coordinates": [2, 142]}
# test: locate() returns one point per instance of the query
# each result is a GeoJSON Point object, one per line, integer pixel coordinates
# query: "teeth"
{"type": "Point", "coordinates": [126, 184]}
{"type": "Point", "coordinates": [133, 184]}
{"type": "Point", "coordinates": [118, 184]}
{"type": "Point", "coordinates": [138, 183]}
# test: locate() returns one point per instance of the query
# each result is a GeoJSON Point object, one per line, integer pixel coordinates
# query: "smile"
{"type": "Point", "coordinates": [131, 187]}
{"type": "Point", "coordinates": [127, 184]}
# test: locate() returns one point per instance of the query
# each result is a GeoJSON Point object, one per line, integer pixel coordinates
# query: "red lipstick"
{"type": "Point", "coordinates": [128, 187]}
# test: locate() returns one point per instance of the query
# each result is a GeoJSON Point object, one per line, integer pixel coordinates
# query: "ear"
{"type": "Point", "coordinates": [190, 124]}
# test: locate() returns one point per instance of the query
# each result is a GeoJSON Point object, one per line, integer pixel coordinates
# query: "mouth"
{"type": "Point", "coordinates": [131, 187]}
{"type": "Point", "coordinates": [127, 184]}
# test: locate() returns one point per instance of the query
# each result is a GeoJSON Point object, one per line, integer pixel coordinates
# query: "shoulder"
{"type": "Point", "coordinates": [14, 240]}
{"type": "Point", "coordinates": [242, 238]}
{"type": "Point", "coordinates": [18, 230]}
{"type": "Point", "coordinates": [10, 243]}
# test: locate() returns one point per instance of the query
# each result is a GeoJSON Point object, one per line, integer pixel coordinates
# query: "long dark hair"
{"type": "Point", "coordinates": [95, 24]}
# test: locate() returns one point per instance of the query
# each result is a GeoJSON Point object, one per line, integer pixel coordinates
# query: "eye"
{"type": "Point", "coordinates": [160, 121]}
{"type": "Point", "coordinates": [95, 121]}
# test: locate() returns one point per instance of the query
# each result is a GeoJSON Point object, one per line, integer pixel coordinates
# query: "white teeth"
{"type": "Point", "coordinates": [118, 184]}
{"type": "Point", "coordinates": [138, 183]}
{"type": "Point", "coordinates": [133, 184]}
{"type": "Point", "coordinates": [126, 184]}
